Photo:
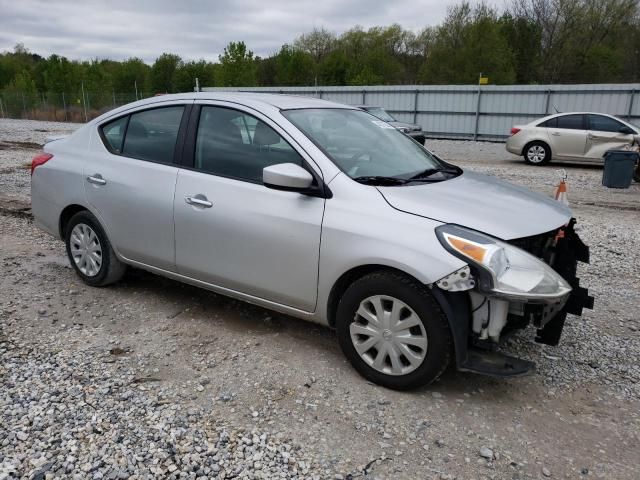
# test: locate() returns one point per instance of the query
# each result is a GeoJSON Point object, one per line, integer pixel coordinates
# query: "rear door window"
{"type": "Point", "coordinates": [151, 134]}
{"type": "Point", "coordinates": [601, 123]}
{"type": "Point", "coordinates": [571, 122]}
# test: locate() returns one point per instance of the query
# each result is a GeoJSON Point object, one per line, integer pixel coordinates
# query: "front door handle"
{"type": "Point", "coordinates": [198, 201]}
{"type": "Point", "coordinates": [96, 179]}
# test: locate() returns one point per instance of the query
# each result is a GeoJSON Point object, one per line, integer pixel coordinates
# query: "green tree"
{"type": "Point", "coordinates": [130, 74]}
{"type": "Point", "coordinates": [237, 66]}
{"type": "Point", "coordinates": [294, 67]}
{"type": "Point", "coordinates": [470, 41]}
{"type": "Point", "coordinates": [162, 74]}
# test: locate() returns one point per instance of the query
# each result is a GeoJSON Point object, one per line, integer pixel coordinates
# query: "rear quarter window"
{"type": "Point", "coordinates": [113, 134]}
{"type": "Point", "coordinates": [551, 123]}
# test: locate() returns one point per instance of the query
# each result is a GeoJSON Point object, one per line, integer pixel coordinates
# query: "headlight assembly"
{"type": "Point", "coordinates": [504, 270]}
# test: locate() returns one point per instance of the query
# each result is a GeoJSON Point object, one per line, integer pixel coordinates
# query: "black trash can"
{"type": "Point", "coordinates": [618, 168]}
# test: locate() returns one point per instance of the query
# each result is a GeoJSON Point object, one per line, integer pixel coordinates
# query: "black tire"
{"type": "Point", "coordinates": [111, 269]}
{"type": "Point", "coordinates": [537, 147]}
{"type": "Point", "coordinates": [416, 296]}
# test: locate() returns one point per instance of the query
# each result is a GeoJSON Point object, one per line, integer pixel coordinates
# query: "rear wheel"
{"type": "Point", "coordinates": [90, 251]}
{"type": "Point", "coordinates": [537, 153]}
{"type": "Point", "coordinates": [392, 331]}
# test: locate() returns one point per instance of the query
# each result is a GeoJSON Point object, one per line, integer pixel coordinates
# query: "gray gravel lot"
{"type": "Point", "coordinates": [154, 379]}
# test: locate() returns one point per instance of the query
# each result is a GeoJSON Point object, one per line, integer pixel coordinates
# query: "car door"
{"type": "Point", "coordinates": [231, 230]}
{"type": "Point", "coordinates": [568, 137]}
{"type": "Point", "coordinates": [130, 180]}
{"type": "Point", "coordinates": [605, 133]}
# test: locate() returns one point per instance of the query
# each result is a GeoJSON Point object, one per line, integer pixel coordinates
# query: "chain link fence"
{"type": "Point", "coordinates": [62, 107]}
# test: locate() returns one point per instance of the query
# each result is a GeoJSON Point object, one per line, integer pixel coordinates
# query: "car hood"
{"type": "Point", "coordinates": [410, 126]}
{"type": "Point", "coordinates": [482, 203]}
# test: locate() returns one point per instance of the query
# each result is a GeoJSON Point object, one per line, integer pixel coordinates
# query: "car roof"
{"type": "Point", "coordinates": [256, 100]}
{"type": "Point", "coordinates": [277, 100]}
{"type": "Point", "coordinates": [561, 114]}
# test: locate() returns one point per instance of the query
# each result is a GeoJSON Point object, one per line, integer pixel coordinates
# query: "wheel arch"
{"type": "Point", "coordinates": [537, 140]}
{"type": "Point", "coordinates": [455, 305]}
{"type": "Point", "coordinates": [67, 213]}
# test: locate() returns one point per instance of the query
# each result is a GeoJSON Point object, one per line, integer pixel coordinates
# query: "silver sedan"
{"type": "Point", "coordinates": [320, 211]}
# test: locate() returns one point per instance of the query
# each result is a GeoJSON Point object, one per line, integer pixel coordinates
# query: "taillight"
{"type": "Point", "coordinates": [40, 159]}
{"type": "Point", "coordinates": [514, 130]}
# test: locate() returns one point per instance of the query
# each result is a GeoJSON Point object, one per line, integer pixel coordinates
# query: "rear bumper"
{"type": "Point", "coordinates": [513, 146]}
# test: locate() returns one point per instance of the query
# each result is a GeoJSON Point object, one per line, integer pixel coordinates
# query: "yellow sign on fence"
{"type": "Point", "coordinates": [483, 80]}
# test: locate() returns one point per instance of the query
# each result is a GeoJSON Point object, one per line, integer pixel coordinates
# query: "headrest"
{"type": "Point", "coordinates": [265, 135]}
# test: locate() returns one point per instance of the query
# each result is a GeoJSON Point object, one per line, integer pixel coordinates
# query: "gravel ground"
{"type": "Point", "coordinates": [154, 379]}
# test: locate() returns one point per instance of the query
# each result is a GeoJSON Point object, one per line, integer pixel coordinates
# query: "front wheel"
{"type": "Point", "coordinates": [392, 331]}
{"type": "Point", "coordinates": [537, 153]}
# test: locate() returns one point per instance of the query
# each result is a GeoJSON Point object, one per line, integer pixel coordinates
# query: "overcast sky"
{"type": "Point", "coordinates": [193, 29]}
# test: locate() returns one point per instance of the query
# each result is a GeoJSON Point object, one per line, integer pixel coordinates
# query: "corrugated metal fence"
{"type": "Point", "coordinates": [476, 112]}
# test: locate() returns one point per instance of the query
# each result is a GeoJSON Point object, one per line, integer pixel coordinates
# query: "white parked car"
{"type": "Point", "coordinates": [579, 136]}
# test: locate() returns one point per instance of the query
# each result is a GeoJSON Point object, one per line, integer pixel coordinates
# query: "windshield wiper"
{"type": "Point", "coordinates": [431, 171]}
{"type": "Point", "coordinates": [380, 180]}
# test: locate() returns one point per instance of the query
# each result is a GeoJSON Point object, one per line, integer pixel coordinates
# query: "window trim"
{"type": "Point", "coordinates": [318, 189]}
{"type": "Point", "coordinates": [180, 137]}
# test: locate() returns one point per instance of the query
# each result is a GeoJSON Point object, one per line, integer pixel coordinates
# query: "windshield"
{"type": "Point", "coordinates": [381, 113]}
{"type": "Point", "coordinates": [362, 146]}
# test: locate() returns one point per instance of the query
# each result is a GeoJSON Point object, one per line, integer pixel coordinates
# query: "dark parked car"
{"type": "Point", "coordinates": [414, 131]}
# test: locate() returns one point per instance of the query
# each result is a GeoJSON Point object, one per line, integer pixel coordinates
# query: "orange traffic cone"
{"type": "Point", "coordinates": [561, 190]}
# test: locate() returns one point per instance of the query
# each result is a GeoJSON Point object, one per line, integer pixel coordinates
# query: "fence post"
{"type": "Point", "coordinates": [84, 103]}
{"type": "Point", "coordinates": [546, 104]}
{"type": "Point", "coordinates": [475, 130]}
{"type": "Point", "coordinates": [364, 97]}
{"type": "Point", "coordinates": [415, 106]}
{"type": "Point", "coordinates": [1, 108]}
{"type": "Point", "coordinates": [113, 92]}
{"type": "Point", "coordinates": [320, 94]}
{"type": "Point", "coordinates": [630, 111]}
{"type": "Point", "coordinates": [64, 107]}
{"type": "Point", "coordinates": [24, 106]}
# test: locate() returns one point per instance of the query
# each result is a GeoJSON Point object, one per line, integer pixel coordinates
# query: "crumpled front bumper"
{"type": "Point", "coordinates": [568, 251]}
{"type": "Point", "coordinates": [562, 249]}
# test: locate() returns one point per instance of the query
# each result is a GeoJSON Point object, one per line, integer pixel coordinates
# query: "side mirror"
{"type": "Point", "coordinates": [287, 176]}
{"type": "Point", "coordinates": [627, 131]}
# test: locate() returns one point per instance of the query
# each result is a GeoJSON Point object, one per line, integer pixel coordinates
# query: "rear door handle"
{"type": "Point", "coordinates": [96, 179]}
{"type": "Point", "coordinates": [555, 134]}
{"type": "Point", "coordinates": [198, 201]}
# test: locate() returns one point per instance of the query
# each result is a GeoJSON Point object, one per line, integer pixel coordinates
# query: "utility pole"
{"type": "Point", "coordinates": [197, 85]}
{"type": "Point", "coordinates": [135, 84]}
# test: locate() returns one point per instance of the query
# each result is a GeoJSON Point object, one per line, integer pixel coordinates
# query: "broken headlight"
{"type": "Point", "coordinates": [504, 270]}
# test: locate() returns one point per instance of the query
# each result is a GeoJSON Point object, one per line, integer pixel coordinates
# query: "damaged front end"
{"type": "Point", "coordinates": [505, 289]}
